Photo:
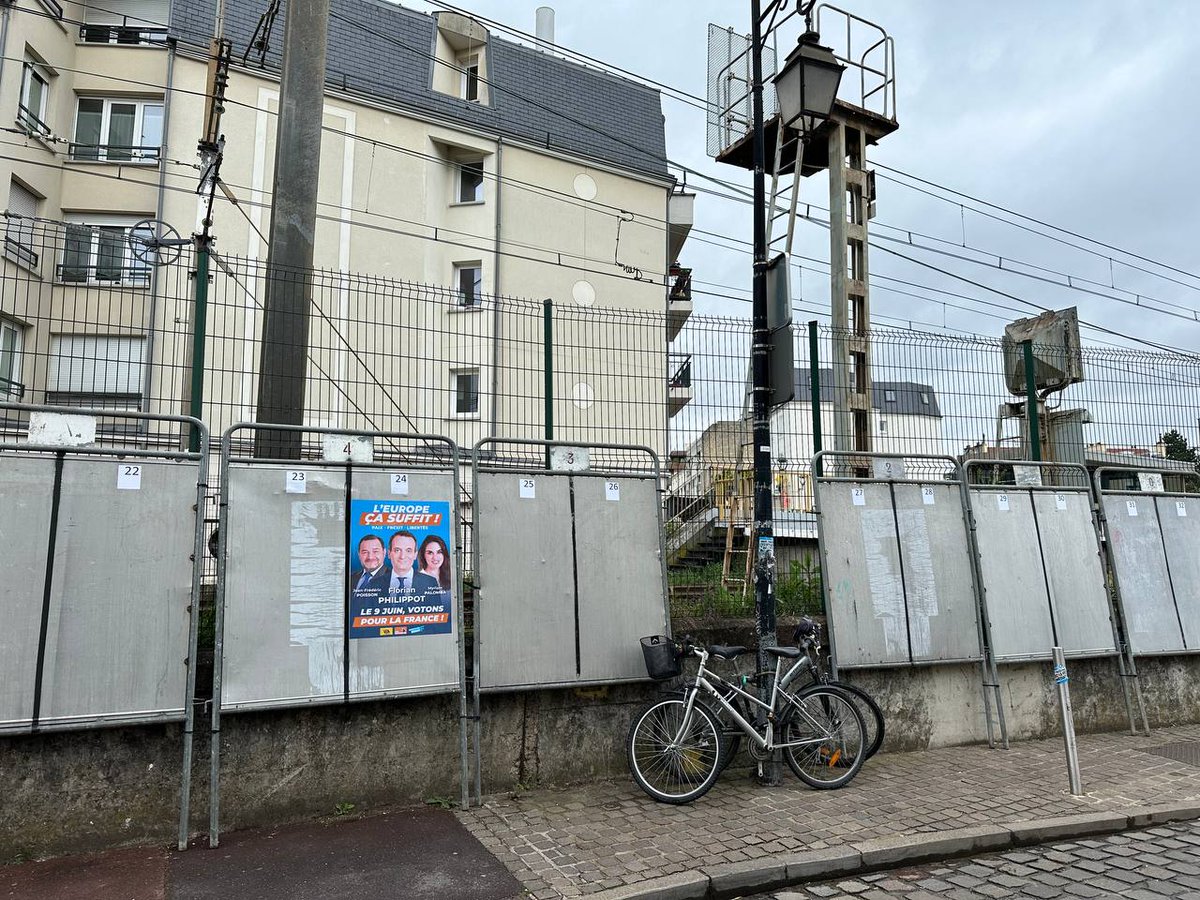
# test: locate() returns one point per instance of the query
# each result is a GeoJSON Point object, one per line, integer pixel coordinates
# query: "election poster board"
{"type": "Point", "coordinates": [401, 562]}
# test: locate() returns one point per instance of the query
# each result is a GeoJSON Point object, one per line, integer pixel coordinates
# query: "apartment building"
{"type": "Point", "coordinates": [456, 166]}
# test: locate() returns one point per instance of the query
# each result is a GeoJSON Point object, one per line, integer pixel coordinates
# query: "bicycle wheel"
{"type": "Point", "coordinates": [823, 736]}
{"type": "Point", "coordinates": [731, 732]}
{"type": "Point", "coordinates": [671, 763]}
{"type": "Point", "coordinates": [871, 714]}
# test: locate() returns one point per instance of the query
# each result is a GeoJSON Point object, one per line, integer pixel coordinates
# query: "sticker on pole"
{"type": "Point", "coordinates": [1131, 507]}
{"type": "Point", "coordinates": [928, 497]}
{"type": "Point", "coordinates": [1002, 502]}
{"type": "Point", "coordinates": [527, 488]}
{"type": "Point", "coordinates": [612, 491]}
{"type": "Point", "coordinates": [399, 483]}
{"type": "Point", "coordinates": [858, 496]}
{"type": "Point", "coordinates": [129, 477]}
{"type": "Point", "coordinates": [296, 481]}
{"type": "Point", "coordinates": [766, 547]}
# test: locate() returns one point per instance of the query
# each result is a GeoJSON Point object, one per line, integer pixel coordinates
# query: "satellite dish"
{"type": "Point", "coordinates": [155, 242]}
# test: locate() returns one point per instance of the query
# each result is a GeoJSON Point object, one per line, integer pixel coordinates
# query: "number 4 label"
{"type": "Point", "coordinates": [527, 488]}
{"type": "Point", "coordinates": [129, 477]}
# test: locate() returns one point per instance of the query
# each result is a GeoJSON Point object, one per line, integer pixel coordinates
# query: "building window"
{"type": "Point", "coordinates": [99, 253]}
{"type": "Point", "coordinates": [20, 243]}
{"type": "Point", "coordinates": [925, 399]}
{"type": "Point", "coordinates": [470, 181]}
{"type": "Point", "coordinates": [883, 426]}
{"type": "Point", "coordinates": [35, 92]}
{"type": "Point", "coordinates": [468, 283]}
{"type": "Point", "coordinates": [889, 396]}
{"type": "Point", "coordinates": [466, 392]}
{"type": "Point", "coordinates": [94, 371]}
{"type": "Point", "coordinates": [470, 76]}
{"type": "Point", "coordinates": [11, 338]}
{"type": "Point", "coordinates": [117, 130]}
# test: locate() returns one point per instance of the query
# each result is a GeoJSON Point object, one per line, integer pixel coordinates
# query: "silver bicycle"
{"type": "Point", "coordinates": [675, 743]}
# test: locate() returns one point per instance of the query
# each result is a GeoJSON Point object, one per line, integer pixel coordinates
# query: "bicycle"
{"type": "Point", "coordinates": [675, 743]}
{"type": "Point", "coordinates": [808, 637]}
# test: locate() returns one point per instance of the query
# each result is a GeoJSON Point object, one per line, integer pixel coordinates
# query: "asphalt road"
{"type": "Point", "coordinates": [1142, 865]}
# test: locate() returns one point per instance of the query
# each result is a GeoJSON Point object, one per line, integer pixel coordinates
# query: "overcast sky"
{"type": "Point", "coordinates": [1081, 113]}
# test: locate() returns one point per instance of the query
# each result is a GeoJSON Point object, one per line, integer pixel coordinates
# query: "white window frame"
{"type": "Point", "coordinates": [19, 233]}
{"type": "Point", "coordinates": [925, 398]}
{"type": "Point", "coordinates": [12, 340]}
{"type": "Point", "coordinates": [883, 426]}
{"type": "Point", "coordinates": [889, 396]}
{"type": "Point", "coordinates": [475, 301]}
{"type": "Point", "coordinates": [471, 66]}
{"type": "Point", "coordinates": [33, 121]}
{"type": "Point", "coordinates": [460, 182]}
{"type": "Point", "coordinates": [455, 412]}
{"type": "Point", "coordinates": [139, 155]}
{"type": "Point", "coordinates": [134, 272]}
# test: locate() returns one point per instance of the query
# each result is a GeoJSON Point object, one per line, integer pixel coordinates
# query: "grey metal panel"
{"type": "Point", "coordinates": [619, 575]}
{"type": "Point", "coordinates": [285, 578]}
{"type": "Point", "coordinates": [1076, 572]}
{"type": "Point", "coordinates": [1014, 581]}
{"type": "Point", "coordinates": [25, 486]}
{"type": "Point", "coordinates": [943, 617]}
{"type": "Point", "coordinates": [1141, 568]}
{"type": "Point", "coordinates": [425, 664]}
{"type": "Point", "coordinates": [118, 637]}
{"type": "Point", "coordinates": [1181, 535]}
{"type": "Point", "coordinates": [862, 568]}
{"type": "Point", "coordinates": [526, 613]}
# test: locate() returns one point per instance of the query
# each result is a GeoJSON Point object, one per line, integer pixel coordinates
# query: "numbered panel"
{"type": "Point", "coordinates": [25, 485]}
{"type": "Point", "coordinates": [620, 574]}
{"type": "Point", "coordinates": [862, 568]}
{"type": "Point", "coordinates": [1180, 520]}
{"type": "Point", "coordinates": [1014, 578]}
{"type": "Point", "coordinates": [117, 637]}
{"type": "Point", "coordinates": [526, 615]}
{"type": "Point", "coordinates": [1075, 572]}
{"type": "Point", "coordinates": [286, 590]}
{"type": "Point", "coordinates": [1141, 569]}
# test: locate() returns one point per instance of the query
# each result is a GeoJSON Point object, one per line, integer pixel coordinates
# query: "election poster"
{"type": "Point", "coordinates": [401, 568]}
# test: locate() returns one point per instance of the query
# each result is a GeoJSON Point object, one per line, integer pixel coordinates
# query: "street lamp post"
{"type": "Point", "coordinates": [807, 84]}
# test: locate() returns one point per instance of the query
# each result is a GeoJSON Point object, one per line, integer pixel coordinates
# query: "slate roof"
{"type": "Point", "coordinates": [535, 96]}
{"type": "Point", "coordinates": [907, 394]}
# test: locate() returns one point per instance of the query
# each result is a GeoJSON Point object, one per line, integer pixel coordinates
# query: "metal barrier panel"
{"type": "Point", "coordinates": [1075, 571]}
{"type": "Point", "coordinates": [943, 619]}
{"type": "Point", "coordinates": [284, 581]}
{"type": "Point", "coordinates": [619, 572]}
{"type": "Point", "coordinates": [866, 595]}
{"type": "Point", "coordinates": [526, 613]}
{"type": "Point", "coordinates": [24, 528]}
{"type": "Point", "coordinates": [1141, 568]}
{"type": "Point", "coordinates": [1180, 521]}
{"type": "Point", "coordinates": [1014, 579]}
{"type": "Point", "coordinates": [117, 642]}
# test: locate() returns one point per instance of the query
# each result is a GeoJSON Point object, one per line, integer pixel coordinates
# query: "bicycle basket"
{"type": "Point", "coordinates": [662, 661]}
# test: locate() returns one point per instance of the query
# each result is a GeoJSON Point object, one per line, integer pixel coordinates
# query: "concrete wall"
{"type": "Point", "coordinates": [80, 791]}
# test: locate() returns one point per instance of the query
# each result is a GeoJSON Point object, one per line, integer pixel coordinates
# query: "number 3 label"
{"type": "Point", "coordinates": [129, 477]}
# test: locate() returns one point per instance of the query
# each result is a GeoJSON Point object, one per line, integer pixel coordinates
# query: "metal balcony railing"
{"type": "Point", "coordinates": [127, 276]}
{"type": "Point", "coordinates": [23, 254]}
{"type": "Point", "coordinates": [682, 377]}
{"type": "Point", "coordinates": [114, 153]}
{"type": "Point", "coordinates": [29, 120]}
{"type": "Point", "coordinates": [122, 34]}
{"type": "Point", "coordinates": [10, 389]}
{"type": "Point", "coordinates": [681, 287]}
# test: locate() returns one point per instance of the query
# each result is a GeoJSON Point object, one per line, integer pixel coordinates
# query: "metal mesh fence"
{"type": "Point", "coordinates": [729, 79]}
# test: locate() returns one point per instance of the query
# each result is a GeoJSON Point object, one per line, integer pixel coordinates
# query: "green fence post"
{"type": "Point", "coordinates": [199, 332]}
{"type": "Point", "coordinates": [1031, 403]}
{"type": "Point", "coordinates": [814, 386]}
{"type": "Point", "coordinates": [548, 369]}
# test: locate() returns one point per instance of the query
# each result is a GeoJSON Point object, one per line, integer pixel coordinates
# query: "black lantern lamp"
{"type": "Point", "coordinates": [807, 85]}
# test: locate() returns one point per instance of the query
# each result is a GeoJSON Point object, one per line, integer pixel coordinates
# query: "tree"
{"type": "Point", "coordinates": [1177, 447]}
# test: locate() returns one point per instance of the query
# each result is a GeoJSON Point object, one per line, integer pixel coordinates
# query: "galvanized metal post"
{"type": "Point", "coordinates": [1068, 720]}
{"type": "Point", "coordinates": [199, 333]}
{"type": "Point", "coordinates": [814, 389]}
{"type": "Point", "coordinates": [1033, 420]}
{"type": "Point", "coordinates": [764, 539]}
{"type": "Point", "coordinates": [548, 365]}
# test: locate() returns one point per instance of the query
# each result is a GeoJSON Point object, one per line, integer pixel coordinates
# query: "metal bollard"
{"type": "Point", "coordinates": [1068, 720]}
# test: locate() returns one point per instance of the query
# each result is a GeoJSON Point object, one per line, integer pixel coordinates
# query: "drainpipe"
{"type": "Point", "coordinates": [148, 365]}
{"type": "Point", "coordinates": [496, 294]}
{"type": "Point", "coordinates": [666, 388]}
{"type": "Point", "coordinates": [4, 36]}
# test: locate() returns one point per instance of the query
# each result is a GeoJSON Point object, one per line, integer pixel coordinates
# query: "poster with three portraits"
{"type": "Point", "coordinates": [401, 568]}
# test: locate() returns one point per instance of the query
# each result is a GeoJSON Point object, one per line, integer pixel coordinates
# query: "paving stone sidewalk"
{"type": "Point", "coordinates": [577, 842]}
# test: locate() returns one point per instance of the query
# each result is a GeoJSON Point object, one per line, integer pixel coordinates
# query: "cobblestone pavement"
{"type": "Point", "coordinates": [1143, 865]}
{"type": "Point", "coordinates": [576, 842]}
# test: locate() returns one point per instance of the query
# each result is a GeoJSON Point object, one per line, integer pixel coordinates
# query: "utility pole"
{"type": "Point", "coordinates": [284, 357]}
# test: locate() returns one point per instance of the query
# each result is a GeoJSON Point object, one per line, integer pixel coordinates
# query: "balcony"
{"type": "Point", "coordinates": [108, 275]}
{"type": "Point", "coordinates": [29, 120]}
{"type": "Point", "coordinates": [679, 301]}
{"type": "Point", "coordinates": [125, 34]}
{"type": "Point", "coordinates": [679, 388]}
{"type": "Point", "coordinates": [120, 153]}
{"type": "Point", "coordinates": [11, 390]}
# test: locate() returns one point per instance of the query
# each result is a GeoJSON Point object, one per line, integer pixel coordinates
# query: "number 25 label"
{"type": "Point", "coordinates": [527, 488]}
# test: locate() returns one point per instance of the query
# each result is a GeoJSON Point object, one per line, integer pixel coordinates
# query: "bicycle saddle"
{"type": "Point", "coordinates": [786, 652]}
{"type": "Point", "coordinates": [721, 652]}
